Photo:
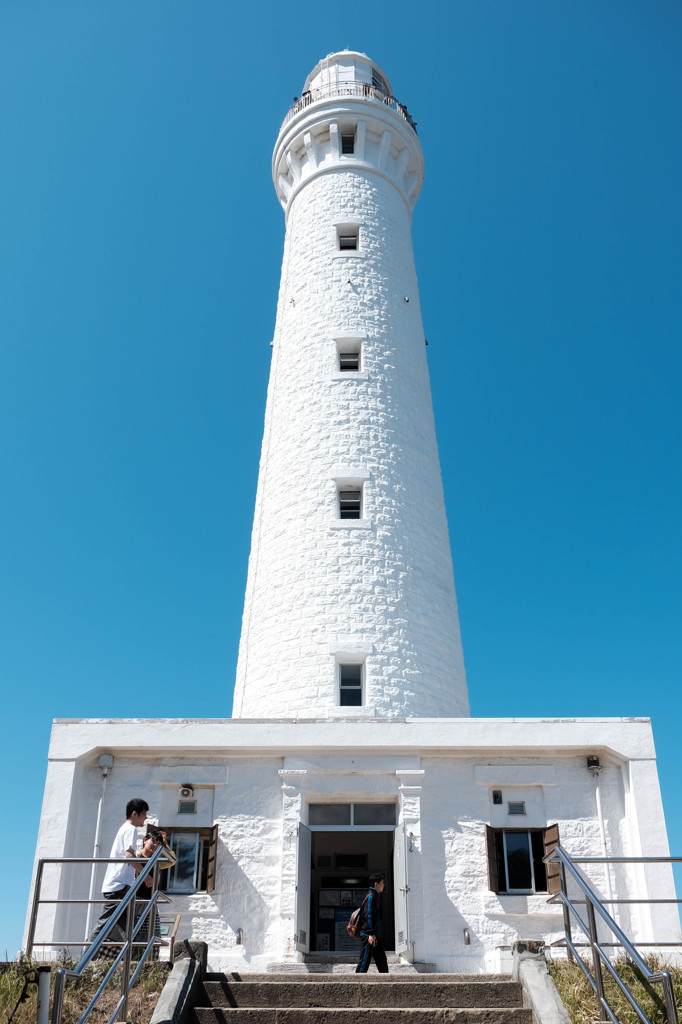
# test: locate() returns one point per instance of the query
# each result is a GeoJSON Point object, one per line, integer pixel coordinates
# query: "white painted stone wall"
{"type": "Point", "coordinates": [263, 775]}
{"type": "Point", "coordinates": [320, 589]}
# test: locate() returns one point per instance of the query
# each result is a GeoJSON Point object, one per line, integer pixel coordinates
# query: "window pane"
{"type": "Point", "coordinates": [374, 814]}
{"type": "Point", "coordinates": [518, 860]}
{"type": "Point", "coordinates": [539, 867]}
{"type": "Point", "coordinates": [329, 814]}
{"type": "Point", "coordinates": [185, 847]}
{"type": "Point", "coordinates": [350, 697]}
{"type": "Point", "coordinates": [350, 675]}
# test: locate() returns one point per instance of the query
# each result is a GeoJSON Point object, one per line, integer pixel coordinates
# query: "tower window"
{"type": "Point", "coordinates": [348, 354]}
{"type": "Point", "coordinates": [350, 686]}
{"type": "Point", "coordinates": [348, 240]}
{"type": "Point", "coordinates": [349, 361]}
{"type": "Point", "coordinates": [348, 142]}
{"type": "Point", "coordinates": [350, 504]}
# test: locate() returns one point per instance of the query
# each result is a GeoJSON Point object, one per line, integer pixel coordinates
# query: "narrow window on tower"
{"type": "Point", "coordinates": [350, 503]}
{"type": "Point", "coordinates": [348, 355]}
{"type": "Point", "coordinates": [348, 237]}
{"type": "Point", "coordinates": [350, 685]}
{"type": "Point", "coordinates": [347, 142]}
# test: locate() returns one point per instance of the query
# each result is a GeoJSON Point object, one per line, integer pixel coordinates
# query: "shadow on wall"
{"type": "Point", "coordinates": [442, 914]}
{"type": "Point", "coordinates": [244, 907]}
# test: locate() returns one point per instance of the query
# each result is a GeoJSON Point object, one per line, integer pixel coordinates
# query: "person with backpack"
{"type": "Point", "coordinates": [371, 927]}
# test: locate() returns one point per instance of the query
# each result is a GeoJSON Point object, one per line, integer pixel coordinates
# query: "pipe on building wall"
{"type": "Point", "coordinates": [106, 762]}
{"type": "Point", "coordinates": [605, 851]}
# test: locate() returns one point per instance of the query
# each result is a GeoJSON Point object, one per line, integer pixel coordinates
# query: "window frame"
{"type": "Point", "coordinates": [344, 234]}
{"type": "Point", "coordinates": [206, 845]}
{"type": "Point", "coordinates": [344, 503]}
{"type": "Point", "coordinates": [344, 137]}
{"type": "Point", "coordinates": [498, 872]}
{"type": "Point", "coordinates": [345, 664]}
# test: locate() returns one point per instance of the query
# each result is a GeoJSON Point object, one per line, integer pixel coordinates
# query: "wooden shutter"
{"type": "Point", "coordinates": [551, 839]}
{"type": "Point", "coordinates": [212, 851]}
{"type": "Point", "coordinates": [491, 851]}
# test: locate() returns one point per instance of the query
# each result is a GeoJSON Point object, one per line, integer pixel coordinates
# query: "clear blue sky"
{"type": "Point", "coordinates": [141, 247]}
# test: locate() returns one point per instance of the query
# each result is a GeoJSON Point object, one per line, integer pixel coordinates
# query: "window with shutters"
{"type": "Point", "coordinates": [515, 860]}
{"type": "Point", "coordinates": [195, 853]}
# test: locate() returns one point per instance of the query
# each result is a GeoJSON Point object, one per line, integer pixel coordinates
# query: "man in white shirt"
{"type": "Point", "coordinates": [119, 877]}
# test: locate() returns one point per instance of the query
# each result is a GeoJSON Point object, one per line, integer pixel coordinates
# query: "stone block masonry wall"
{"type": "Point", "coordinates": [319, 587]}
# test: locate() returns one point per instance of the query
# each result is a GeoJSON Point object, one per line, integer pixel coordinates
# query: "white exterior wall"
{"type": "Point", "coordinates": [260, 777]}
{"type": "Point", "coordinates": [320, 588]}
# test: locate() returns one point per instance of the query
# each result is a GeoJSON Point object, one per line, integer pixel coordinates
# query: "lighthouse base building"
{"type": "Point", "coordinates": [286, 820]}
{"type": "Point", "coordinates": [350, 749]}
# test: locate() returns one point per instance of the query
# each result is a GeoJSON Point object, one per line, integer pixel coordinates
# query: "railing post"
{"type": "Point", "coordinates": [58, 997]}
{"type": "Point", "coordinates": [43, 994]}
{"type": "Point", "coordinates": [34, 910]}
{"type": "Point", "coordinates": [669, 998]}
{"type": "Point", "coordinates": [596, 959]}
{"type": "Point", "coordinates": [564, 907]}
{"type": "Point", "coordinates": [125, 979]}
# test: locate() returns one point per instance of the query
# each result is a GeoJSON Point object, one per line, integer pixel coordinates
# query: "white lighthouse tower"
{"type": "Point", "coordinates": [350, 600]}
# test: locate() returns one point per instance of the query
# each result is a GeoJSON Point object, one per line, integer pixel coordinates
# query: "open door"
{"type": "Point", "coordinates": [401, 889]}
{"type": "Point", "coordinates": [302, 916]}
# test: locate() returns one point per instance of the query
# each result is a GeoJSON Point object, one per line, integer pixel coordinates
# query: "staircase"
{"type": "Point", "coordinates": [346, 998]}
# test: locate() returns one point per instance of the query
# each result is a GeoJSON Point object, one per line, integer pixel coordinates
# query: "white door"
{"type": "Point", "coordinates": [302, 918]}
{"type": "Point", "coordinates": [401, 890]}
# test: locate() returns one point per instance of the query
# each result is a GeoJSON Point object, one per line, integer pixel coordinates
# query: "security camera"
{"type": "Point", "coordinates": [186, 790]}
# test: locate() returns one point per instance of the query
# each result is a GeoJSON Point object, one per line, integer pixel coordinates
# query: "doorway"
{"type": "Point", "coordinates": [340, 865]}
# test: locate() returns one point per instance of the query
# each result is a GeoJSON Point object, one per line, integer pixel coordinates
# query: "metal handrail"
{"type": "Point", "coordinates": [360, 89]}
{"type": "Point", "coordinates": [125, 910]}
{"type": "Point", "coordinates": [595, 907]}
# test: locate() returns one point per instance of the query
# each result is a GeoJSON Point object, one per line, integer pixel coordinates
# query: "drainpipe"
{"type": "Point", "coordinates": [106, 763]}
{"type": "Point", "coordinates": [594, 767]}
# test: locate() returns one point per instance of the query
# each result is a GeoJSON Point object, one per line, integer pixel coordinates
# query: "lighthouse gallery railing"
{"type": "Point", "coordinates": [358, 89]}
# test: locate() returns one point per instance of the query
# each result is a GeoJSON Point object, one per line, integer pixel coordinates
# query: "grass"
{"type": "Point", "coordinates": [78, 992]}
{"type": "Point", "coordinates": [581, 1003]}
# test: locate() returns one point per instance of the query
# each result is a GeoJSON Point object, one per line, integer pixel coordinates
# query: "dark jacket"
{"type": "Point", "coordinates": [371, 914]}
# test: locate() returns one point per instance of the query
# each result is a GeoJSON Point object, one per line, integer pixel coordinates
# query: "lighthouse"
{"type": "Point", "coordinates": [350, 601]}
{"type": "Point", "coordinates": [350, 750]}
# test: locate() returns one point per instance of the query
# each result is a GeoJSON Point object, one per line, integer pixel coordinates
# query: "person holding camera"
{"type": "Point", "coordinates": [119, 877]}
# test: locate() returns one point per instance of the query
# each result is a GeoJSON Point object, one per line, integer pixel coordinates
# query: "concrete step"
{"type": "Point", "coordinates": [361, 992]}
{"type": "Point", "coordinates": [366, 1015]}
{"type": "Point", "coordinates": [343, 979]}
{"type": "Point", "coordinates": [337, 965]}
